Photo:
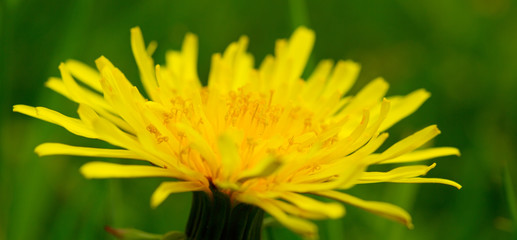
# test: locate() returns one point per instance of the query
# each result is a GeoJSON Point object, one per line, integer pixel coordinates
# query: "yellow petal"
{"type": "Point", "coordinates": [372, 129]}
{"type": "Point", "coordinates": [307, 187]}
{"type": "Point", "coordinates": [85, 74]}
{"type": "Point", "coordinates": [405, 106]}
{"type": "Point", "coordinates": [368, 96]}
{"type": "Point", "coordinates": [296, 211]}
{"type": "Point", "coordinates": [121, 95]}
{"type": "Point", "coordinates": [110, 133]}
{"type": "Point", "coordinates": [263, 168]}
{"type": "Point", "coordinates": [420, 155]}
{"type": "Point", "coordinates": [58, 86]}
{"type": "Point", "coordinates": [356, 132]}
{"type": "Point", "coordinates": [47, 149]}
{"type": "Point", "coordinates": [317, 81]}
{"type": "Point", "coordinates": [199, 143]}
{"type": "Point", "coordinates": [80, 94]}
{"type": "Point", "coordinates": [73, 125]}
{"type": "Point", "coordinates": [93, 101]}
{"type": "Point", "coordinates": [298, 225]}
{"type": "Point", "coordinates": [189, 52]}
{"type": "Point", "coordinates": [342, 78]}
{"type": "Point", "coordinates": [383, 209]}
{"type": "Point", "coordinates": [151, 48]}
{"type": "Point", "coordinates": [395, 174]}
{"type": "Point", "coordinates": [144, 62]}
{"type": "Point", "coordinates": [113, 170]}
{"type": "Point", "coordinates": [229, 152]}
{"type": "Point", "coordinates": [242, 65]}
{"type": "Point", "coordinates": [409, 144]}
{"type": "Point", "coordinates": [331, 210]}
{"type": "Point", "coordinates": [105, 114]}
{"type": "Point", "coordinates": [429, 180]}
{"type": "Point", "coordinates": [167, 188]}
{"type": "Point", "coordinates": [300, 47]}
{"type": "Point", "coordinates": [183, 65]}
{"type": "Point", "coordinates": [266, 71]}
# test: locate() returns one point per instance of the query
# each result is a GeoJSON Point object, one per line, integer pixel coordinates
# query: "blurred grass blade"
{"type": "Point", "coordinates": [510, 195]}
{"type": "Point", "coordinates": [300, 17]}
{"type": "Point", "coordinates": [299, 14]}
{"type": "Point", "coordinates": [135, 234]}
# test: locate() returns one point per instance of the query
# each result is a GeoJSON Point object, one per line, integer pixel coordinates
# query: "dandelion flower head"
{"type": "Point", "coordinates": [264, 136]}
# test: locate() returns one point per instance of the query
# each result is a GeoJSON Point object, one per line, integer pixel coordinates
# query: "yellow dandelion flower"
{"type": "Point", "coordinates": [253, 138]}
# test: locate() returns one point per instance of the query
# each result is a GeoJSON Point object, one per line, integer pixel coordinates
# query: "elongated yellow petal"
{"type": "Point", "coordinates": [404, 107]}
{"type": "Point", "coordinates": [167, 188]}
{"type": "Point", "coordinates": [58, 86]}
{"type": "Point", "coordinates": [151, 48]}
{"type": "Point", "coordinates": [409, 144]}
{"type": "Point", "coordinates": [395, 174]}
{"type": "Point", "coordinates": [144, 62]}
{"type": "Point", "coordinates": [189, 53]}
{"type": "Point", "coordinates": [420, 155]}
{"type": "Point", "coordinates": [113, 170]}
{"type": "Point", "coordinates": [317, 81]}
{"type": "Point", "coordinates": [331, 210]}
{"type": "Point", "coordinates": [230, 159]}
{"type": "Point", "coordinates": [386, 210]}
{"type": "Point", "coordinates": [199, 143]}
{"type": "Point", "coordinates": [85, 74]}
{"type": "Point", "coordinates": [344, 172]}
{"type": "Point", "coordinates": [342, 78]}
{"type": "Point", "coordinates": [368, 96]}
{"type": "Point", "coordinates": [80, 94]}
{"type": "Point", "coordinates": [119, 92]}
{"type": "Point", "coordinates": [182, 66]}
{"type": "Point", "coordinates": [108, 132]}
{"type": "Point", "coordinates": [372, 129]}
{"type": "Point", "coordinates": [346, 144]}
{"type": "Point", "coordinates": [47, 149]}
{"type": "Point", "coordinates": [93, 100]}
{"type": "Point", "coordinates": [265, 167]}
{"type": "Point", "coordinates": [429, 180]}
{"type": "Point", "coordinates": [300, 47]}
{"type": "Point", "coordinates": [298, 212]}
{"type": "Point", "coordinates": [298, 225]}
{"type": "Point", "coordinates": [73, 125]}
{"type": "Point", "coordinates": [347, 177]}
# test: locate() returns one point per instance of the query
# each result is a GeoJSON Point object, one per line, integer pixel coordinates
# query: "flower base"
{"type": "Point", "coordinates": [213, 216]}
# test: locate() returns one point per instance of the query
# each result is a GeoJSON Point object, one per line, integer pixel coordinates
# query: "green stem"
{"type": "Point", "coordinates": [213, 216]}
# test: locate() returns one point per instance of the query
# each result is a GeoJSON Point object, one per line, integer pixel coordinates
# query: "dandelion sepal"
{"type": "Point", "coordinates": [213, 216]}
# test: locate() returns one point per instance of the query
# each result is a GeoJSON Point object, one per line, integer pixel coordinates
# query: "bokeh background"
{"type": "Point", "coordinates": [464, 52]}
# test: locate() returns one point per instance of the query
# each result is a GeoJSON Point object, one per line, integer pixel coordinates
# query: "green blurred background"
{"type": "Point", "coordinates": [463, 52]}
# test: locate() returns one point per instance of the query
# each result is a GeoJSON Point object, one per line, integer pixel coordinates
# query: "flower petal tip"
{"type": "Point", "coordinates": [135, 29]}
{"type": "Point", "coordinates": [21, 108]}
{"type": "Point", "coordinates": [410, 225]}
{"type": "Point", "coordinates": [87, 170]}
{"type": "Point", "coordinates": [457, 152]}
{"type": "Point", "coordinates": [155, 202]}
{"type": "Point", "coordinates": [39, 151]}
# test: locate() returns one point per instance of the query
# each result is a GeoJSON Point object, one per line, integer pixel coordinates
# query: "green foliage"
{"type": "Point", "coordinates": [463, 52]}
